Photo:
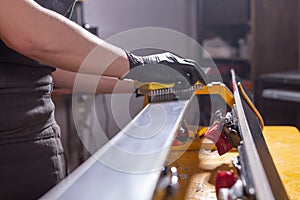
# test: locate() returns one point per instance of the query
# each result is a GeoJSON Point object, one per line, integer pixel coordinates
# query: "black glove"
{"type": "Point", "coordinates": [165, 68]}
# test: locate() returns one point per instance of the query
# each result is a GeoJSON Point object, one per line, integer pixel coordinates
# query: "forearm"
{"type": "Point", "coordinates": [91, 83]}
{"type": "Point", "coordinates": [54, 40]}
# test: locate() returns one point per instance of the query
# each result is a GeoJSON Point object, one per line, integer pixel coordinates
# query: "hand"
{"type": "Point", "coordinates": [165, 68]}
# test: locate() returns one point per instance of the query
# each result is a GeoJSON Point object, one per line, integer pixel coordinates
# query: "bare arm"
{"type": "Point", "coordinates": [50, 38]}
{"type": "Point", "coordinates": [88, 82]}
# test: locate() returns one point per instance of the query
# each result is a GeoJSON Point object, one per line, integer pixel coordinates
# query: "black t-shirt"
{"type": "Point", "coordinates": [26, 108]}
{"type": "Point", "coordinates": [7, 55]}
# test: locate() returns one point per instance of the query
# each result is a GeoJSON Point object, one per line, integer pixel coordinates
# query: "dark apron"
{"type": "Point", "coordinates": [31, 154]}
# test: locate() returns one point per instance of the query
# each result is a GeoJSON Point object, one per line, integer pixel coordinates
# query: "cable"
{"type": "Point", "coordinates": [251, 105]}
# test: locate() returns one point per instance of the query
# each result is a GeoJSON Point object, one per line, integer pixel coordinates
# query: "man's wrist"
{"type": "Point", "coordinates": [134, 60]}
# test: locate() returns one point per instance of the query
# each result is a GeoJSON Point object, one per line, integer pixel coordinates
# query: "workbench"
{"type": "Point", "coordinates": [197, 167]}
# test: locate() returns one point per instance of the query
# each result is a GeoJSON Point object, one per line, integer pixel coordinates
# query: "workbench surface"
{"type": "Point", "coordinates": [197, 167]}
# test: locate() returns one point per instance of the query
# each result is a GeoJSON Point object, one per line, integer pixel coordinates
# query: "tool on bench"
{"type": "Point", "coordinates": [229, 129]}
{"type": "Point", "coordinates": [223, 131]}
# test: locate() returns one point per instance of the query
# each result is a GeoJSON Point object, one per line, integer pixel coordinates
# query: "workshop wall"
{"type": "Point", "coordinates": [275, 60]}
{"type": "Point", "coordinates": [115, 16]}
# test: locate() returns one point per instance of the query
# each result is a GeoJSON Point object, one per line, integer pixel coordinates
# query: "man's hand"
{"type": "Point", "coordinates": [165, 68]}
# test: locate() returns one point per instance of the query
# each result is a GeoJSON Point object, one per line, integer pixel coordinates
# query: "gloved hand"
{"type": "Point", "coordinates": [165, 68]}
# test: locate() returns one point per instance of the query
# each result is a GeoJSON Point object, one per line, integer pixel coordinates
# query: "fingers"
{"type": "Point", "coordinates": [196, 72]}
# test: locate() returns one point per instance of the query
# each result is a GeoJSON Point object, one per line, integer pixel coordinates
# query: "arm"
{"type": "Point", "coordinates": [104, 84]}
{"type": "Point", "coordinates": [50, 38]}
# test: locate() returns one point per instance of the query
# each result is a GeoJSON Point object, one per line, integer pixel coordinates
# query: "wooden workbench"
{"type": "Point", "coordinates": [197, 167]}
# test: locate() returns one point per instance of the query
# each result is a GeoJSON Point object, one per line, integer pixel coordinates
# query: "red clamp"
{"type": "Point", "coordinates": [216, 134]}
{"type": "Point", "coordinates": [225, 179]}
